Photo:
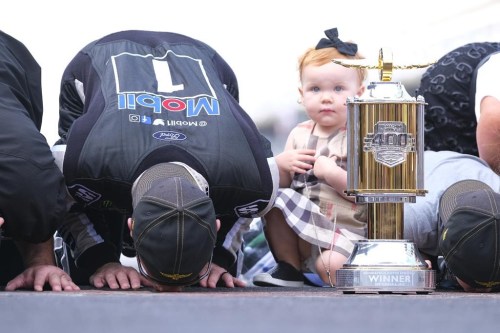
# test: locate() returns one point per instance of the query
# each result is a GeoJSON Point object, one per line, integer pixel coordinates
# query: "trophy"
{"type": "Point", "coordinates": [385, 170]}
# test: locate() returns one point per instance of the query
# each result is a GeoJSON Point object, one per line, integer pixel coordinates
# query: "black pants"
{"type": "Point", "coordinates": [11, 262]}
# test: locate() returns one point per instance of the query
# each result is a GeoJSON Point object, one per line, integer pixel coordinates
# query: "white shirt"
{"type": "Point", "coordinates": [441, 169]}
{"type": "Point", "coordinates": [488, 81]}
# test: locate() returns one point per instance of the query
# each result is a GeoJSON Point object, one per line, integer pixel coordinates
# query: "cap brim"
{"type": "Point", "coordinates": [448, 201]}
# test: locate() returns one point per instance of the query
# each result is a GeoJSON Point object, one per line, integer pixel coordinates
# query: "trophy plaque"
{"type": "Point", "coordinates": [385, 170]}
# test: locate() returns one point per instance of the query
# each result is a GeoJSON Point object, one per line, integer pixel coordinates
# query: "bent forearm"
{"type": "Point", "coordinates": [338, 180]}
{"type": "Point", "coordinates": [34, 254]}
{"type": "Point", "coordinates": [488, 133]}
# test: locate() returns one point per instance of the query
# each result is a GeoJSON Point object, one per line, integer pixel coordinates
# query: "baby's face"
{"type": "Point", "coordinates": [325, 90]}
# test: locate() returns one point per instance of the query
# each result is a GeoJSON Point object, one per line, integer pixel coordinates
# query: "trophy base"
{"type": "Point", "coordinates": [385, 266]}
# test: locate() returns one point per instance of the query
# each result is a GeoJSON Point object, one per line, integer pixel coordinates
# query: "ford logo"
{"type": "Point", "coordinates": [169, 136]}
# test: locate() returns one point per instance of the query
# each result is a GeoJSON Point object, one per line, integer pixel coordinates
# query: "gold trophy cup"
{"type": "Point", "coordinates": [385, 170]}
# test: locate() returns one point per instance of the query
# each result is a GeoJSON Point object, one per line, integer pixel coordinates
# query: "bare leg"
{"type": "Point", "coordinates": [328, 263]}
{"type": "Point", "coordinates": [282, 240]}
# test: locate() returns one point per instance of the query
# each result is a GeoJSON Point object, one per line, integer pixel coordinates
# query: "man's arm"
{"type": "Point", "coordinates": [40, 269]}
{"type": "Point", "coordinates": [488, 132]}
{"type": "Point", "coordinates": [34, 254]}
{"type": "Point", "coordinates": [92, 251]}
{"type": "Point", "coordinates": [72, 95]}
{"type": "Point", "coordinates": [89, 246]}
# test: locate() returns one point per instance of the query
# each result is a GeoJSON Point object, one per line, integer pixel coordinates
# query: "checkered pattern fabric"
{"type": "Point", "coordinates": [310, 206]}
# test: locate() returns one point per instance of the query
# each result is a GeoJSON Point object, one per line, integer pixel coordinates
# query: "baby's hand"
{"type": "Point", "coordinates": [296, 160]}
{"type": "Point", "coordinates": [325, 165]}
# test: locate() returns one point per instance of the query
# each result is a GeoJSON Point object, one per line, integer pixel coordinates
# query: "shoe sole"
{"type": "Point", "coordinates": [269, 281]}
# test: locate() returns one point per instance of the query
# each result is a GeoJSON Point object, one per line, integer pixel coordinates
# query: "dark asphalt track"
{"type": "Point", "coordinates": [251, 309]}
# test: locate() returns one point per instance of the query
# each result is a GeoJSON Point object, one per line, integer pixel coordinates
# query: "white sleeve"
{"type": "Point", "coordinates": [487, 81]}
{"type": "Point", "coordinates": [58, 151]}
{"type": "Point", "coordinates": [275, 175]}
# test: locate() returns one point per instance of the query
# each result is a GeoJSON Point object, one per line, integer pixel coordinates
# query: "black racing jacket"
{"type": "Point", "coordinates": [32, 188]}
{"type": "Point", "coordinates": [134, 99]}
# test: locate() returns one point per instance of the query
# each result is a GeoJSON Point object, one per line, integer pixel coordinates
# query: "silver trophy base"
{"type": "Point", "coordinates": [385, 266]}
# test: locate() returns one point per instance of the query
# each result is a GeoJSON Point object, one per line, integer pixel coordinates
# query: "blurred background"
{"type": "Point", "coordinates": [260, 39]}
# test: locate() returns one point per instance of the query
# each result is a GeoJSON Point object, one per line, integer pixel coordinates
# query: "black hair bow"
{"type": "Point", "coordinates": [334, 41]}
